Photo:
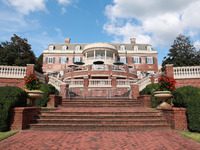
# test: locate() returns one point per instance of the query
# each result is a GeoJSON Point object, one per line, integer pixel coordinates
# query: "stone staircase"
{"type": "Point", "coordinates": [99, 114]}
{"type": "Point", "coordinates": [98, 102]}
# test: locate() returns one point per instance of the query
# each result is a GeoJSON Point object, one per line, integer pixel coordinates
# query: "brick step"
{"type": "Point", "coordinates": [100, 117]}
{"type": "Point", "coordinates": [98, 98]}
{"type": "Point", "coordinates": [100, 121]}
{"type": "Point", "coordinates": [100, 105]}
{"type": "Point", "coordinates": [99, 102]}
{"type": "Point", "coordinates": [97, 126]}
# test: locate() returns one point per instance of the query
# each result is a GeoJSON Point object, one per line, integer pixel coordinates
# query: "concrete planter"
{"type": "Point", "coordinates": [33, 95]}
{"type": "Point", "coordinates": [164, 96]}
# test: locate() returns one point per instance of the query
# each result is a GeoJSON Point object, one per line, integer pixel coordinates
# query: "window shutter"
{"type": "Point", "coordinates": [126, 59]}
{"type": "Point", "coordinates": [133, 60]}
{"type": "Point", "coordinates": [59, 60]}
{"type": "Point", "coordinates": [146, 60]}
{"type": "Point", "coordinates": [46, 59]}
{"type": "Point", "coordinates": [73, 59]}
{"type": "Point", "coordinates": [118, 59]}
{"type": "Point", "coordinates": [67, 59]}
{"type": "Point", "coordinates": [81, 59]}
{"type": "Point", "coordinates": [154, 60]}
{"type": "Point", "coordinates": [53, 59]}
{"type": "Point", "coordinates": [140, 60]}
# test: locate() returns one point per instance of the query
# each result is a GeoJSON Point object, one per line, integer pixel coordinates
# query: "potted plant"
{"type": "Point", "coordinates": [32, 84]}
{"type": "Point", "coordinates": [167, 85]}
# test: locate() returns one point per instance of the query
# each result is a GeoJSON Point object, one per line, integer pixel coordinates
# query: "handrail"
{"type": "Point", "coordinates": [40, 76]}
{"type": "Point", "coordinates": [12, 71]}
{"type": "Point", "coordinates": [186, 72]}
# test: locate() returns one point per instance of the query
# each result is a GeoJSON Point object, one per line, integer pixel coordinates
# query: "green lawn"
{"type": "Point", "coordinates": [46, 108]}
{"type": "Point", "coordinates": [192, 135]}
{"type": "Point", "coordinates": [4, 135]}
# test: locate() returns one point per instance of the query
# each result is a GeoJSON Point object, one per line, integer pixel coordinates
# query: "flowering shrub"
{"type": "Point", "coordinates": [166, 83]}
{"type": "Point", "coordinates": [32, 82]}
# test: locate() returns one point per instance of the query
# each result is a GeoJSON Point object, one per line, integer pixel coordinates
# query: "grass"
{"type": "Point", "coordinates": [4, 135]}
{"type": "Point", "coordinates": [192, 135]}
{"type": "Point", "coordinates": [152, 108]}
{"type": "Point", "coordinates": [46, 108]}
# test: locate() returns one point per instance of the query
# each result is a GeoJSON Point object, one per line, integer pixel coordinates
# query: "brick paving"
{"type": "Point", "coordinates": [98, 140]}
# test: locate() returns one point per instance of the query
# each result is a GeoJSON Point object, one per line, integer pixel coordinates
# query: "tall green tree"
{"type": "Point", "coordinates": [38, 64]}
{"type": "Point", "coordinates": [17, 52]}
{"type": "Point", "coordinates": [182, 53]}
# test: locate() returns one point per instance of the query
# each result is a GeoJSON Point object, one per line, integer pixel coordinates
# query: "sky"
{"type": "Point", "coordinates": [155, 22]}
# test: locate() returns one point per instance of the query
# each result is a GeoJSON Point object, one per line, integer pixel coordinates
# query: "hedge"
{"type": "Point", "coordinates": [189, 98]}
{"type": "Point", "coordinates": [47, 89]}
{"type": "Point", "coordinates": [149, 90]}
{"type": "Point", "coordinates": [10, 97]}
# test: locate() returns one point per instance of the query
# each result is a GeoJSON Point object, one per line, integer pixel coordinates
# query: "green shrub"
{"type": "Point", "coordinates": [149, 90]}
{"type": "Point", "coordinates": [189, 98]}
{"type": "Point", "coordinates": [10, 97]}
{"type": "Point", "coordinates": [47, 89]}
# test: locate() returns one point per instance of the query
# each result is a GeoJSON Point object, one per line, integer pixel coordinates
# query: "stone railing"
{"type": "Point", "coordinates": [55, 82]}
{"type": "Point", "coordinates": [123, 83]}
{"type": "Point", "coordinates": [186, 72]}
{"type": "Point", "coordinates": [118, 69]}
{"type": "Point", "coordinates": [40, 76]}
{"type": "Point", "coordinates": [12, 71]}
{"type": "Point", "coordinates": [75, 82]}
{"type": "Point", "coordinates": [99, 83]}
{"type": "Point", "coordinates": [99, 67]}
{"type": "Point", "coordinates": [144, 82]}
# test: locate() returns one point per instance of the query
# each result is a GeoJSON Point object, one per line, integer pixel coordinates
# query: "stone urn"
{"type": "Point", "coordinates": [164, 96]}
{"type": "Point", "coordinates": [33, 95]}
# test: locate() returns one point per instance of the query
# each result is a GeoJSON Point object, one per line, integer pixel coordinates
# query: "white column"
{"type": "Point", "coordinates": [86, 55]}
{"type": "Point", "coordinates": [114, 56]}
{"type": "Point", "coordinates": [105, 54]}
{"type": "Point", "coordinates": [94, 54]}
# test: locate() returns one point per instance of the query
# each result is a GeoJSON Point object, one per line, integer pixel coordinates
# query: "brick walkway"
{"type": "Point", "coordinates": [94, 140]}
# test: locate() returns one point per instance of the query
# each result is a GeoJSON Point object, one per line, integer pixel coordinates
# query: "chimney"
{"type": "Point", "coordinates": [133, 40]}
{"type": "Point", "coordinates": [67, 40]}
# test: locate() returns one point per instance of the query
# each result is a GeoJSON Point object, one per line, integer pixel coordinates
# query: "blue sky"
{"type": "Point", "coordinates": [157, 22]}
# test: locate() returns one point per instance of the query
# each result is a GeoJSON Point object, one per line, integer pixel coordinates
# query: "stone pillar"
{"type": "Point", "coordinates": [86, 84]}
{"type": "Point", "coordinates": [145, 100]}
{"type": "Point", "coordinates": [46, 78]}
{"type": "Point", "coordinates": [169, 70]}
{"type": "Point", "coordinates": [20, 117]}
{"type": "Point", "coordinates": [30, 69]}
{"type": "Point", "coordinates": [64, 88]}
{"type": "Point", "coordinates": [135, 91]}
{"type": "Point", "coordinates": [176, 117]}
{"type": "Point", "coordinates": [152, 78]}
{"type": "Point", "coordinates": [54, 100]}
{"type": "Point", "coordinates": [114, 82]}
{"type": "Point", "coordinates": [105, 54]}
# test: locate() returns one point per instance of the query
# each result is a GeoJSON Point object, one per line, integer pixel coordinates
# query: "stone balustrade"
{"type": "Point", "coordinates": [99, 83]}
{"type": "Point", "coordinates": [123, 83]}
{"type": "Point", "coordinates": [55, 82]}
{"type": "Point", "coordinates": [186, 72]}
{"type": "Point", "coordinates": [40, 76]}
{"type": "Point", "coordinates": [99, 67]}
{"type": "Point", "coordinates": [144, 82]}
{"type": "Point", "coordinates": [12, 72]}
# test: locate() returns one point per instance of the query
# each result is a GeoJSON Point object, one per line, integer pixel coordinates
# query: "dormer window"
{"type": "Point", "coordinates": [149, 48]}
{"type": "Point", "coordinates": [135, 48]}
{"type": "Point", "coordinates": [64, 48]}
{"type": "Point", "coordinates": [78, 47]}
{"type": "Point", "coordinates": [51, 47]}
{"type": "Point", "coordinates": [122, 48]}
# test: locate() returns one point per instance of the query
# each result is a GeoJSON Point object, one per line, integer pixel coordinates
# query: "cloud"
{"type": "Point", "coordinates": [27, 6]}
{"type": "Point", "coordinates": [157, 22]}
{"type": "Point", "coordinates": [64, 2]}
{"type": "Point", "coordinates": [63, 10]}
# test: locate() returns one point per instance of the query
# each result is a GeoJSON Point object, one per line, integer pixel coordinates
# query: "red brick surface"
{"type": "Point", "coordinates": [54, 100]}
{"type": "Point", "coordinates": [146, 100]}
{"type": "Point", "coordinates": [12, 82]}
{"type": "Point", "coordinates": [188, 82]}
{"type": "Point", "coordinates": [98, 140]}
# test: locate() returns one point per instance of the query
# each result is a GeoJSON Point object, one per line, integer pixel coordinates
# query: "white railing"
{"type": "Point", "coordinates": [123, 83]}
{"type": "Point", "coordinates": [12, 72]}
{"type": "Point", "coordinates": [144, 82]}
{"type": "Point", "coordinates": [100, 83]}
{"type": "Point", "coordinates": [186, 72]}
{"type": "Point", "coordinates": [99, 67]}
{"type": "Point", "coordinates": [75, 82]}
{"type": "Point", "coordinates": [40, 76]}
{"type": "Point", "coordinates": [55, 82]}
{"type": "Point", "coordinates": [118, 69]}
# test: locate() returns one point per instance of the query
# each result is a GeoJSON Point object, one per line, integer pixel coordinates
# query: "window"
{"type": "Point", "coordinates": [123, 59]}
{"type": "Point", "coordinates": [51, 47]}
{"type": "Point", "coordinates": [139, 73]}
{"type": "Point", "coordinates": [149, 48]}
{"type": "Point", "coordinates": [149, 60]}
{"type": "Point", "coordinates": [136, 60]}
{"type": "Point", "coordinates": [150, 72]}
{"type": "Point", "coordinates": [64, 48]}
{"type": "Point", "coordinates": [63, 60]}
{"type": "Point", "coordinates": [77, 48]}
{"type": "Point", "coordinates": [135, 48]}
{"type": "Point", "coordinates": [50, 60]}
{"type": "Point", "coordinates": [122, 48]}
{"type": "Point", "coordinates": [77, 59]}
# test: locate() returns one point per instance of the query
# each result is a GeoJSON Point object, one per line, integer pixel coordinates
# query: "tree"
{"type": "Point", "coordinates": [38, 64]}
{"type": "Point", "coordinates": [182, 53]}
{"type": "Point", "coordinates": [17, 52]}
